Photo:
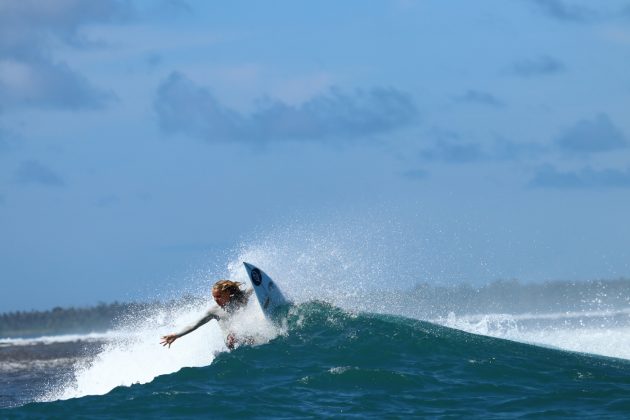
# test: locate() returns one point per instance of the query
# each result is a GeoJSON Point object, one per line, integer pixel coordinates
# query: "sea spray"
{"type": "Point", "coordinates": [341, 263]}
{"type": "Point", "coordinates": [324, 269]}
{"type": "Point", "coordinates": [356, 267]}
{"type": "Point", "coordinates": [348, 265]}
{"type": "Point", "coordinates": [132, 353]}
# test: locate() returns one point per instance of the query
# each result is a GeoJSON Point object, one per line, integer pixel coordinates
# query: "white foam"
{"type": "Point", "coordinates": [65, 338]}
{"type": "Point", "coordinates": [612, 342]}
{"type": "Point", "coordinates": [609, 338]}
{"type": "Point", "coordinates": [549, 315]}
{"type": "Point", "coordinates": [11, 366]}
{"type": "Point", "coordinates": [133, 355]}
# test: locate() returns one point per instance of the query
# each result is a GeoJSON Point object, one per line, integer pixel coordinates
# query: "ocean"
{"type": "Point", "coordinates": [342, 352]}
{"type": "Point", "coordinates": [324, 362]}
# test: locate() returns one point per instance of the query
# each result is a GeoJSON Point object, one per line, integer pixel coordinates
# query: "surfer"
{"type": "Point", "coordinates": [230, 298]}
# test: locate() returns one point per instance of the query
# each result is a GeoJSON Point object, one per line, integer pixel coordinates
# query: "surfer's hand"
{"type": "Point", "coordinates": [167, 340]}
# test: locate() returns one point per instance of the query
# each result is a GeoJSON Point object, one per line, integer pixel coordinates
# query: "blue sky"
{"type": "Point", "coordinates": [141, 141]}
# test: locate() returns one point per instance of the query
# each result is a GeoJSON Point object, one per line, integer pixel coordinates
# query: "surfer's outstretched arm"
{"type": "Point", "coordinates": [167, 340]}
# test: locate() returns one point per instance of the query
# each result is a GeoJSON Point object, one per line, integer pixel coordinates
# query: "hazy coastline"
{"type": "Point", "coordinates": [429, 301]}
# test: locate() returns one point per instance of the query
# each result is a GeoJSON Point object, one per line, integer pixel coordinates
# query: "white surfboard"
{"type": "Point", "coordinates": [269, 295]}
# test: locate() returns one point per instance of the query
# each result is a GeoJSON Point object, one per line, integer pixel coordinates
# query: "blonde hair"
{"type": "Point", "coordinates": [233, 288]}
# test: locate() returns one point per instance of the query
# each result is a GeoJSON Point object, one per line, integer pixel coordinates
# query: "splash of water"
{"type": "Point", "coordinates": [356, 266]}
{"type": "Point", "coordinates": [347, 267]}
{"type": "Point", "coordinates": [132, 353]}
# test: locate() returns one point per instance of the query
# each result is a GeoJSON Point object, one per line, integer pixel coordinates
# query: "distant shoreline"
{"type": "Point", "coordinates": [71, 320]}
{"type": "Point", "coordinates": [501, 296]}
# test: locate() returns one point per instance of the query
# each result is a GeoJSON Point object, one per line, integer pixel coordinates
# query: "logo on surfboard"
{"type": "Point", "coordinates": [256, 277]}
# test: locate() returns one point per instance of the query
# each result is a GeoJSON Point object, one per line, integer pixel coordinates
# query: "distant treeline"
{"type": "Point", "coordinates": [66, 320]}
{"type": "Point", "coordinates": [423, 301]}
{"type": "Point", "coordinates": [514, 297]}
{"type": "Point", "coordinates": [99, 318]}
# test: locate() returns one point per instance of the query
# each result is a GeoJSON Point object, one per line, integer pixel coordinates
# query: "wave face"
{"type": "Point", "coordinates": [327, 361]}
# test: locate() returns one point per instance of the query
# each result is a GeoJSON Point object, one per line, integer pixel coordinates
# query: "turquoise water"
{"type": "Point", "coordinates": [330, 362]}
